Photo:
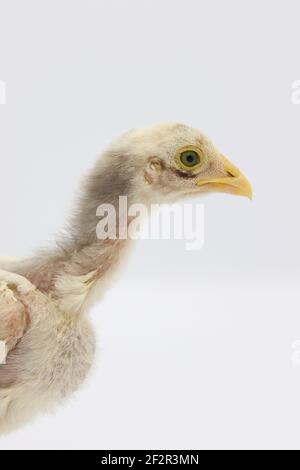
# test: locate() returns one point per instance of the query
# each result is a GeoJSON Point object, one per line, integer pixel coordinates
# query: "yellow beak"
{"type": "Point", "coordinates": [235, 183]}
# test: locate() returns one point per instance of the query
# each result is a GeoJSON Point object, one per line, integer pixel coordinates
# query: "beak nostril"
{"type": "Point", "coordinates": [231, 174]}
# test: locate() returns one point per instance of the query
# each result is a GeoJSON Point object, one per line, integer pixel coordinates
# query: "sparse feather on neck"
{"type": "Point", "coordinates": [78, 269]}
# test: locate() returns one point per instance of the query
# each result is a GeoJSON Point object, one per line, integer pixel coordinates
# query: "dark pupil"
{"type": "Point", "coordinates": [189, 158]}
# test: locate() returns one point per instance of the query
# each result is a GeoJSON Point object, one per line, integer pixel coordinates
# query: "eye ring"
{"type": "Point", "coordinates": [189, 158]}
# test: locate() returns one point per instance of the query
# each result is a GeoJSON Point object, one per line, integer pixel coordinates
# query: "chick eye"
{"type": "Point", "coordinates": [189, 158]}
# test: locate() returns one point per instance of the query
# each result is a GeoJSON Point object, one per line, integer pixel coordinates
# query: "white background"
{"type": "Point", "coordinates": [195, 348]}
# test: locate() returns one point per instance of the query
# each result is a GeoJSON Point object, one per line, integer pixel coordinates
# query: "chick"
{"type": "Point", "coordinates": [46, 340]}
